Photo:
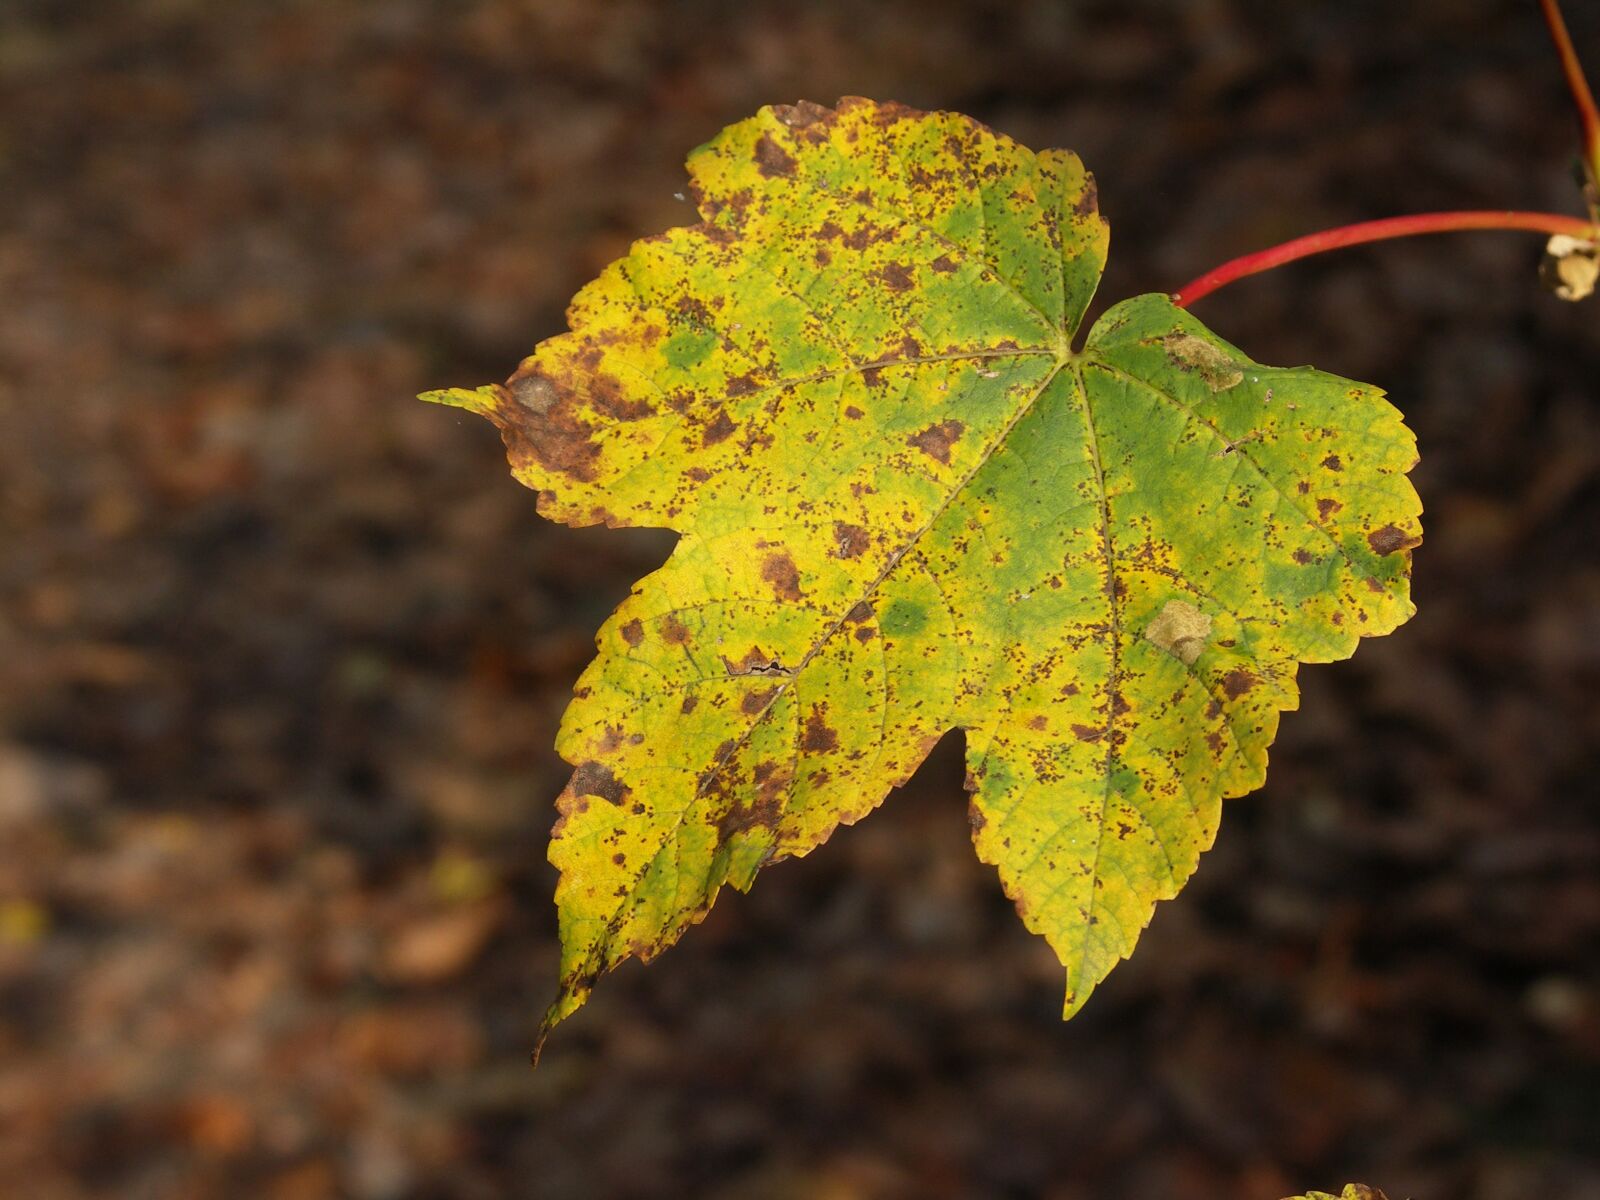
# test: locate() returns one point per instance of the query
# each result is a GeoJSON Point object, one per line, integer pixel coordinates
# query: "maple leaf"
{"type": "Point", "coordinates": [1352, 1191]}
{"type": "Point", "coordinates": [907, 504]}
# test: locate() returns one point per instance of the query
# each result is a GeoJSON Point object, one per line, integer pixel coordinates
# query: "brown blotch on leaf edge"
{"type": "Point", "coordinates": [801, 115]}
{"type": "Point", "coordinates": [543, 428]}
{"type": "Point", "coordinates": [1089, 201]}
{"type": "Point", "coordinates": [1390, 538]}
{"type": "Point", "coordinates": [596, 779]}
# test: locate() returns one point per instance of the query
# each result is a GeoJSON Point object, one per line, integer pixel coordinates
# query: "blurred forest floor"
{"type": "Point", "coordinates": [282, 651]}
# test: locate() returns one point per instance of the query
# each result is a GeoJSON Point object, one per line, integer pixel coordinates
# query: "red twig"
{"type": "Point", "coordinates": [1588, 115]}
{"type": "Point", "coordinates": [1378, 231]}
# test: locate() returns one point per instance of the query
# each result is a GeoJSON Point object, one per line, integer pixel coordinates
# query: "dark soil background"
{"type": "Point", "coordinates": [282, 650]}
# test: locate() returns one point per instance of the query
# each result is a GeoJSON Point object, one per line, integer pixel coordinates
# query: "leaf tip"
{"type": "Point", "coordinates": [1076, 998]}
{"type": "Point", "coordinates": [483, 400]}
{"type": "Point", "coordinates": [574, 991]}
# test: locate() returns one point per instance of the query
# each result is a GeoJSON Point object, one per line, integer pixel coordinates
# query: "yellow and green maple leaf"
{"type": "Point", "coordinates": [911, 501]}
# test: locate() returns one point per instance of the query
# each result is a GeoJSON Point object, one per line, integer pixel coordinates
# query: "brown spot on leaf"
{"type": "Point", "coordinates": [1303, 556]}
{"type": "Point", "coordinates": [1088, 733]}
{"type": "Point", "coordinates": [1237, 682]}
{"type": "Point", "coordinates": [851, 540]}
{"type": "Point", "coordinates": [1038, 722]}
{"type": "Point", "coordinates": [854, 413]}
{"type": "Point", "coordinates": [690, 703]}
{"type": "Point", "coordinates": [756, 661]}
{"type": "Point", "coordinates": [719, 430]}
{"type": "Point", "coordinates": [1333, 462]}
{"type": "Point", "coordinates": [633, 632]}
{"type": "Point", "coordinates": [1326, 507]}
{"type": "Point", "coordinates": [596, 779]}
{"type": "Point", "coordinates": [772, 160]}
{"type": "Point", "coordinates": [866, 233]}
{"type": "Point", "coordinates": [535, 393]}
{"type": "Point", "coordinates": [818, 737]}
{"type": "Point", "coordinates": [757, 701]}
{"type": "Point", "coordinates": [544, 428]}
{"type": "Point", "coordinates": [1389, 539]}
{"type": "Point", "coordinates": [935, 441]}
{"type": "Point", "coordinates": [897, 277]}
{"type": "Point", "coordinates": [1090, 200]}
{"type": "Point", "coordinates": [1181, 630]}
{"type": "Point", "coordinates": [762, 813]}
{"type": "Point", "coordinates": [674, 630]}
{"type": "Point", "coordinates": [695, 309]}
{"type": "Point", "coordinates": [779, 570]}
{"type": "Point", "coordinates": [606, 396]}
{"type": "Point", "coordinates": [944, 264]}
{"type": "Point", "coordinates": [1193, 354]}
